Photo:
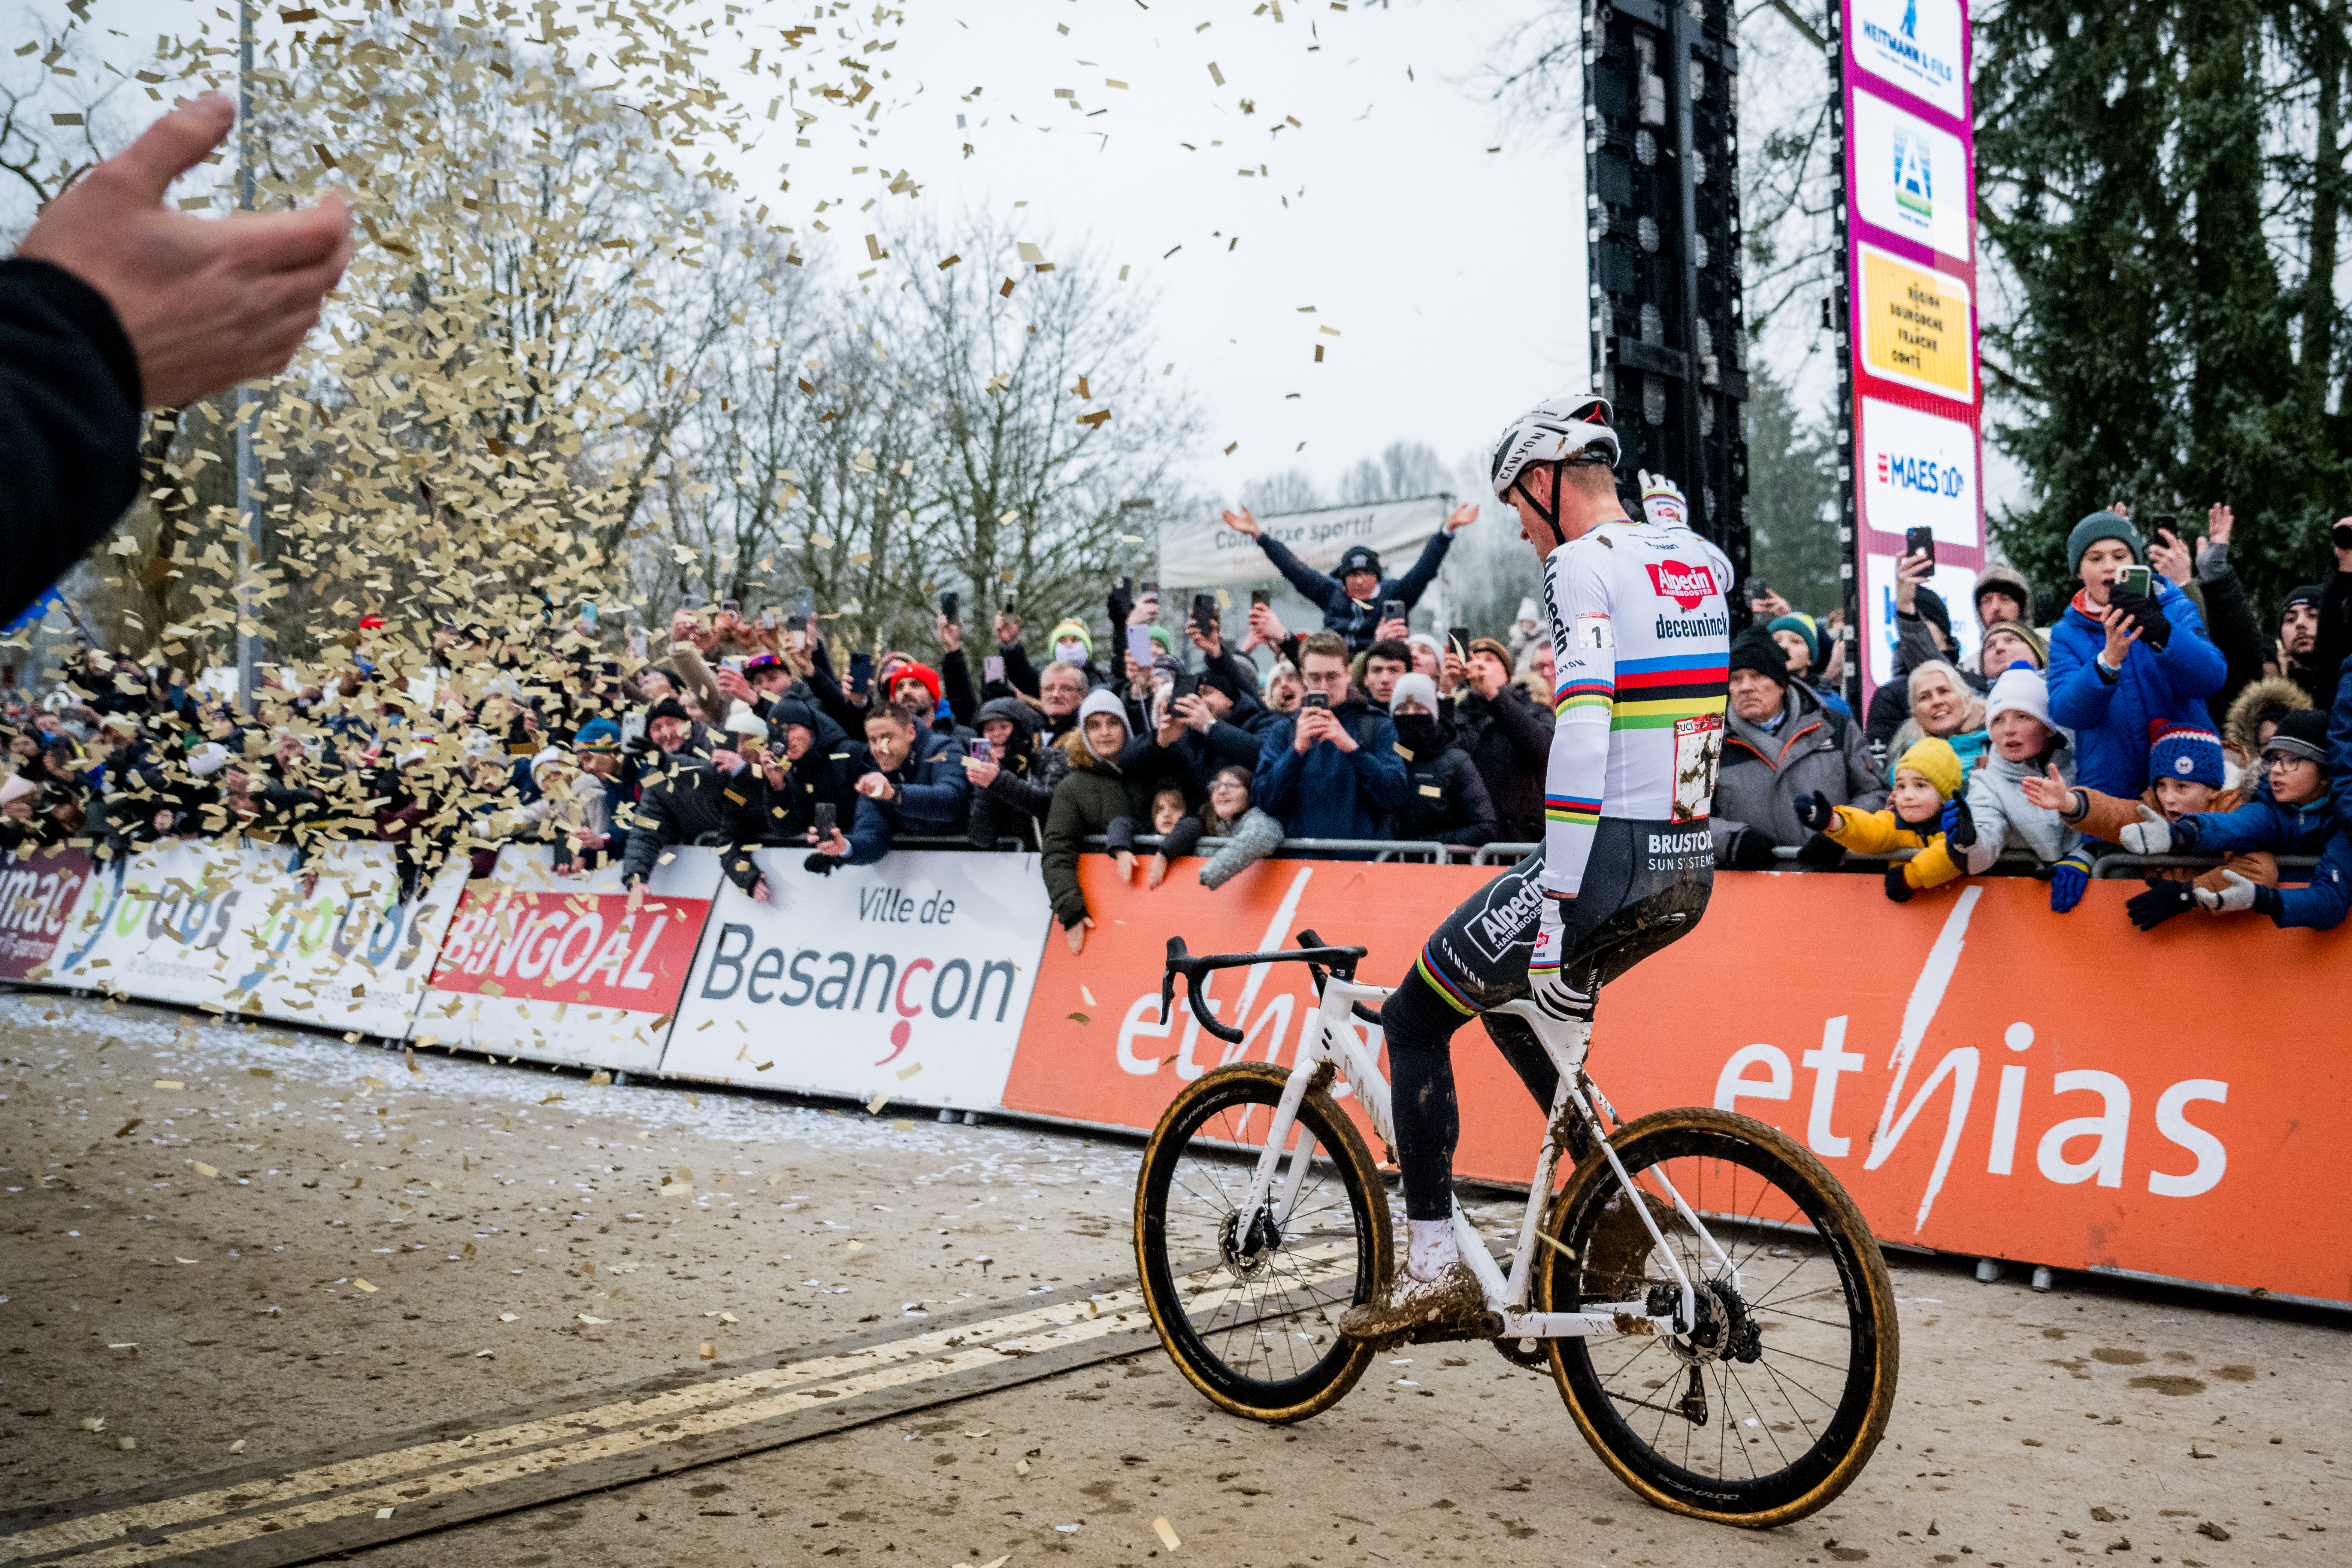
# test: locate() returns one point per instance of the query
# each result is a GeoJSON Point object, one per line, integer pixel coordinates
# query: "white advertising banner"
{"type": "Point", "coordinates": [1955, 585]}
{"type": "Point", "coordinates": [163, 924]}
{"type": "Point", "coordinates": [1912, 176]}
{"type": "Point", "coordinates": [909, 978]}
{"type": "Point", "coordinates": [1919, 471]}
{"type": "Point", "coordinates": [559, 969]}
{"type": "Point", "coordinates": [1917, 46]}
{"type": "Point", "coordinates": [1205, 553]}
{"type": "Point", "coordinates": [336, 945]}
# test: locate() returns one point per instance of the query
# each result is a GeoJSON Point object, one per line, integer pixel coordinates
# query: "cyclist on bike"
{"type": "Point", "coordinates": [1639, 629]}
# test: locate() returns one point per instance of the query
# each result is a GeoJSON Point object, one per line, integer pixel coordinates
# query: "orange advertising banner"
{"type": "Point", "coordinates": [1985, 1077]}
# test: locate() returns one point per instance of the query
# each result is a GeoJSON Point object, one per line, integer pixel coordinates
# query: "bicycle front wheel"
{"type": "Point", "coordinates": [1773, 1402]}
{"type": "Point", "coordinates": [1251, 1314]}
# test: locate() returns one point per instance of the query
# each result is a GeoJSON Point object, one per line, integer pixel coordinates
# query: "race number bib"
{"type": "Point", "coordinates": [1698, 748]}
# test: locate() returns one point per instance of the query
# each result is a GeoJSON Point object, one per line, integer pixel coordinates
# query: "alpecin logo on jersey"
{"type": "Point", "coordinates": [1687, 586]}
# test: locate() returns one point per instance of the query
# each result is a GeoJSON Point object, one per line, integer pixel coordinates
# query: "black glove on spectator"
{"type": "Point", "coordinates": [2162, 900]}
{"type": "Point", "coordinates": [1750, 851]}
{"type": "Point", "coordinates": [1815, 812]}
{"type": "Point", "coordinates": [2154, 630]}
{"type": "Point", "coordinates": [821, 865]}
{"type": "Point", "coordinates": [1821, 852]}
{"type": "Point", "coordinates": [1898, 887]}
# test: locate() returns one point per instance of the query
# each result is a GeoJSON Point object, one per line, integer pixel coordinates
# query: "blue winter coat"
{"type": "Point", "coordinates": [934, 799]}
{"type": "Point", "coordinates": [1328, 792]}
{"type": "Point", "coordinates": [1357, 619]}
{"type": "Point", "coordinates": [2263, 824]}
{"type": "Point", "coordinates": [2110, 719]}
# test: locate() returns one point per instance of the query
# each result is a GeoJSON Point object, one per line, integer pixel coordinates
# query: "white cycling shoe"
{"type": "Point", "coordinates": [1451, 1305]}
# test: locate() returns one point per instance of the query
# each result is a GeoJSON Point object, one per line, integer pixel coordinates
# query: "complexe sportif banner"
{"type": "Point", "coordinates": [908, 979]}
{"type": "Point", "coordinates": [1985, 1077]}
{"type": "Point", "coordinates": [41, 891]}
{"type": "Point", "coordinates": [1205, 553]}
{"type": "Point", "coordinates": [558, 968]}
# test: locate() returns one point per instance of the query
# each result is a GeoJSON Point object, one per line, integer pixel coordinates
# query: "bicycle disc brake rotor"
{"type": "Point", "coordinates": [1248, 1256]}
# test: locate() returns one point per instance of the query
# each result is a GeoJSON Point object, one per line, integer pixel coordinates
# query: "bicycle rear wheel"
{"type": "Point", "coordinates": [1252, 1321]}
{"type": "Point", "coordinates": [1771, 1406]}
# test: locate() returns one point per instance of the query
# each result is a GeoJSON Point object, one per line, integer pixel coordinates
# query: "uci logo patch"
{"type": "Point", "coordinates": [1687, 586]}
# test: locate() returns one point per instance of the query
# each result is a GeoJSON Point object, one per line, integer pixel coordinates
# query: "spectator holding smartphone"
{"type": "Point", "coordinates": [1013, 785]}
{"type": "Point", "coordinates": [1508, 735]}
{"type": "Point", "coordinates": [1444, 798]}
{"type": "Point", "coordinates": [2125, 657]}
{"type": "Point", "coordinates": [1332, 771]}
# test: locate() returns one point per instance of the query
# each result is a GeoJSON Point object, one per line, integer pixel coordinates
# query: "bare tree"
{"type": "Point", "coordinates": [1403, 469]}
{"type": "Point", "coordinates": [1293, 490]}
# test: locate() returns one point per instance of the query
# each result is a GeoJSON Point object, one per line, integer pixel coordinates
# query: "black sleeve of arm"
{"type": "Point", "coordinates": [2231, 620]}
{"type": "Point", "coordinates": [1018, 669]}
{"type": "Point", "coordinates": [1319, 589]}
{"type": "Point", "coordinates": [1423, 573]}
{"type": "Point", "coordinates": [70, 396]}
{"type": "Point", "coordinates": [955, 682]}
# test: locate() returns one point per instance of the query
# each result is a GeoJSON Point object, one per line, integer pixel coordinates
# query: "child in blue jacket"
{"type": "Point", "coordinates": [2292, 814]}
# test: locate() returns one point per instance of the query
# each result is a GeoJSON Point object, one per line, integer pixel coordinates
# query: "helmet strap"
{"type": "Point", "coordinates": [1549, 514]}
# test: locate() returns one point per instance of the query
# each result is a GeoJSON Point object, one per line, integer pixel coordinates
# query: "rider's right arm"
{"type": "Point", "coordinates": [1584, 647]}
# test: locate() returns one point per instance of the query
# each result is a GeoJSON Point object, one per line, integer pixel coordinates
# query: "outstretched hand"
{"type": "Point", "coordinates": [205, 303]}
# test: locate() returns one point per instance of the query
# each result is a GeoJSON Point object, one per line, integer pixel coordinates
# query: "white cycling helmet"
{"type": "Point", "coordinates": [1559, 429]}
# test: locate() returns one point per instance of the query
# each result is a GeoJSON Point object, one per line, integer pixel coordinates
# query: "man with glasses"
{"type": "Point", "coordinates": [1639, 627]}
{"type": "Point", "coordinates": [2292, 814]}
{"type": "Point", "coordinates": [1331, 770]}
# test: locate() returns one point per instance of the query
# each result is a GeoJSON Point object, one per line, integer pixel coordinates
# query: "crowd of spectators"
{"type": "Point", "coordinates": [2131, 723]}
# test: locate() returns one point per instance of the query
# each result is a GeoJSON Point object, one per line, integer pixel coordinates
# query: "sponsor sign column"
{"type": "Point", "coordinates": [1911, 401]}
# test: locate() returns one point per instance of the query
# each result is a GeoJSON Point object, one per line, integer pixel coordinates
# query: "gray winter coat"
{"type": "Point", "coordinates": [1814, 753]}
{"type": "Point", "coordinates": [2006, 819]}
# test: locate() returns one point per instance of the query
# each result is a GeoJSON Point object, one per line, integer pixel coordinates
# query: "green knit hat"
{"type": "Point", "coordinates": [2097, 526]}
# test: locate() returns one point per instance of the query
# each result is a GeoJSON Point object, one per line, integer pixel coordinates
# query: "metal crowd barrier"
{"type": "Point", "coordinates": [2133, 865]}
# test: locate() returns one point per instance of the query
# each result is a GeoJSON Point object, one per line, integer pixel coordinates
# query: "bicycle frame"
{"type": "Point", "coordinates": [1333, 1038]}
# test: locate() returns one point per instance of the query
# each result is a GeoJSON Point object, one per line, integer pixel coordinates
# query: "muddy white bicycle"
{"type": "Point", "coordinates": [1711, 1304]}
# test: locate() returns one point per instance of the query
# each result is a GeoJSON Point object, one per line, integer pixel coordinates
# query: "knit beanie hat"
{"type": "Point", "coordinates": [1755, 649]}
{"type": "Point", "coordinates": [2033, 639]}
{"type": "Point", "coordinates": [2184, 752]}
{"type": "Point", "coordinates": [787, 711]}
{"type": "Point", "coordinates": [1998, 579]}
{"type": "Point", "coordinates": [1929, 606]}
{"type": "Point", "coordinates": [18, 786]}
{"type": "Point", "coordinates": [2310, 593]}
{"type": "Point", "coordinates": [741, 720]}
{"type": "Point", "coordinates": [1071, 631]}
{"type": "Point", "coordinates": [1417, 687]}
{"type": "Point", "coordinates": [1164, 637]}
{"type": "Point", "coordinates": [1488, 645]}
{"type": "Point", "coordinates": [597, 735]}
{"type": "Point", "coordinates": [1934, 760]}
{"type": "Point", "coordinates": [2303, 734]}
{"type": "Point", "coordinates": [668, 708]}
{"type": "Point", "coordinates": [911, 671]}
{"type": "Point", "coordinates": [2097, 526]}
{"type": "Point", "coordinates": [2022, 690]}
{"type": "Point", "coordinates": [1802, 625]}
{"type": "Point", "coordinates": [1102, 699]}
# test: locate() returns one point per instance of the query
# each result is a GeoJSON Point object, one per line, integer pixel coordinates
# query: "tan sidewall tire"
{"type": "Point", "coordinates": [1350, 1148]}
{"type": "Point", "coordinates": [1873, 1266]}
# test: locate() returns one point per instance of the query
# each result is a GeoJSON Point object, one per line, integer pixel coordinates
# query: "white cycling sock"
{"type": "Point", "coordinates": [1430, 1248]}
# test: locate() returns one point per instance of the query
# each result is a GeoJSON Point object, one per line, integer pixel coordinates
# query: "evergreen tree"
{"type": "Point", "coordinates": [1791, 499]}
{"type": "Point", "coordinates": [2135, 177]}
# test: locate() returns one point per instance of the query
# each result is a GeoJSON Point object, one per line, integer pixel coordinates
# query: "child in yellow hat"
{"type": "Point", "coordinates": [1926, 777]}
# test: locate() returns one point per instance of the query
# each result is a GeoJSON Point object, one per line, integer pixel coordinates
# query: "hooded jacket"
{"type": "Point", "coordinates": [2241, 723]}
{"type": "Point", "coordinates": [1093, 797]}
{"type": "Point", "coordinates": [1016, 803]}
{"type": "Point", "coordinates": [1508, 738]}
{"type": "Point", "coordinates": [2110, 716]}
{"type": "Point", "coordinates": [1327, 793]}
{"type": "Point", "coordinates": [1357, 619]}
{"type": "Point", "coordinates": [1814, 752]}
